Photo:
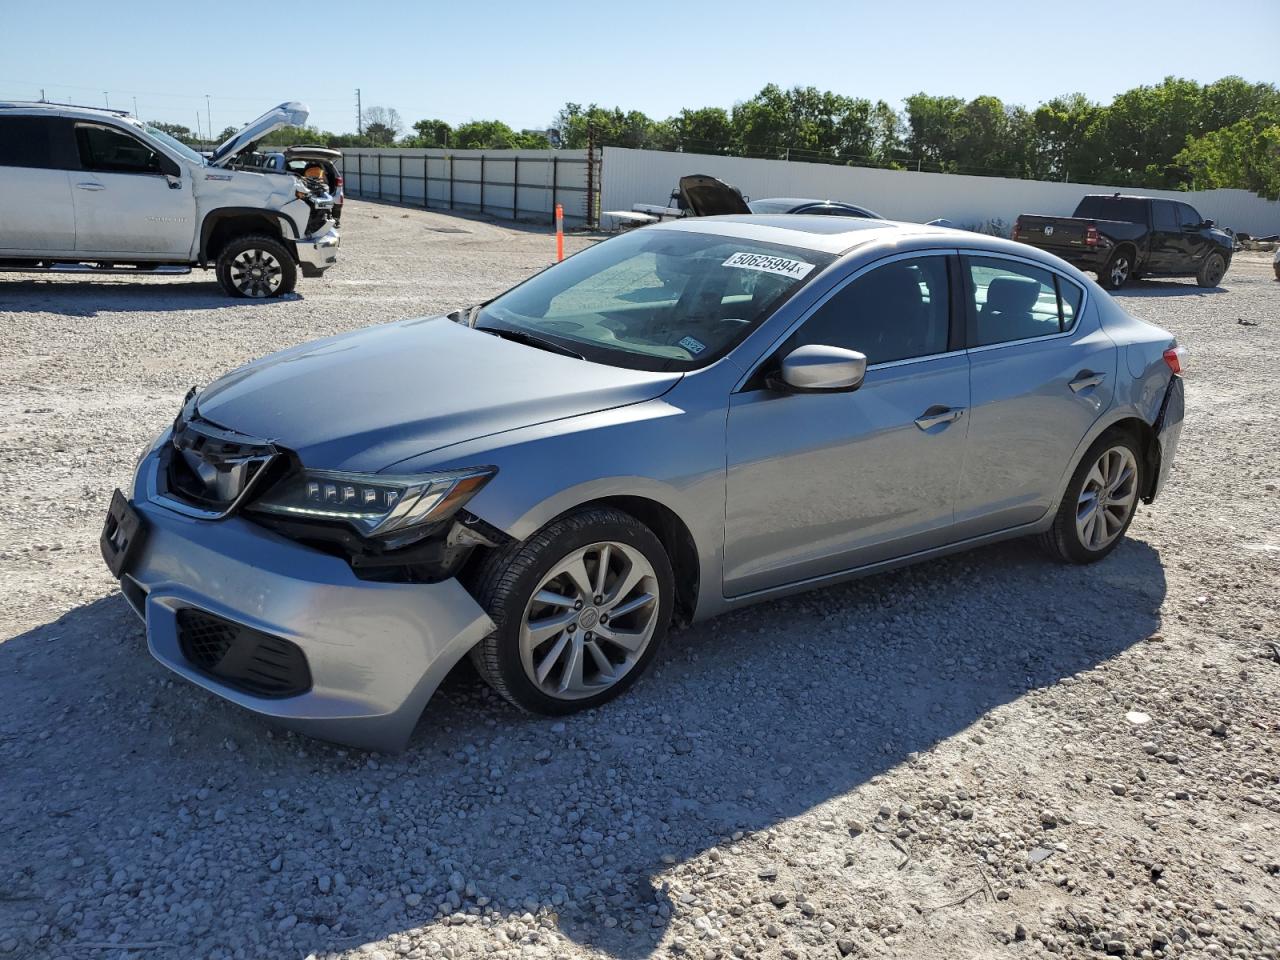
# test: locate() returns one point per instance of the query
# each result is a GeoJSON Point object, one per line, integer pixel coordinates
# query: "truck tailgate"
{"type": "Point", "coordinates": [1052, 233]}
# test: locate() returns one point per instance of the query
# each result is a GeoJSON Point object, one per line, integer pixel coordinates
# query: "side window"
{"type": "Point", "coordinates": [1164, 216]}
{"type": "Point", "coordinates": [1016, 301]}
{"type": "Point", "coordinates": [27, 142]}
{"type": "Point", "coordinates": [1187, 216]}
{"type": "Point", "coordinates": [109, 150]}
{"type": "Point", "coordinates": [1069, 299]}
{"type": "Point", "coordinates": [895, 312]}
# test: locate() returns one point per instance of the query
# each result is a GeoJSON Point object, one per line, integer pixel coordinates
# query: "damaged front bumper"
{"type": "Point", "coordinates": [318, 252]}
{"type": "Point", "coordinates": [290, 632]}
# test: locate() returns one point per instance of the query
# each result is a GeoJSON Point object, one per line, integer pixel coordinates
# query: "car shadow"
{"type": "Point", "coordinates": [745, 722]}
{"type": "Point", "coordinates": [81, 296]}
{"type": "Point", "coordinates": [1166, 288]}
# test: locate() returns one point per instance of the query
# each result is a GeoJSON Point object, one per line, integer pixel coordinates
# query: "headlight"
{"type": "Point", "coordinates": [375, 506]}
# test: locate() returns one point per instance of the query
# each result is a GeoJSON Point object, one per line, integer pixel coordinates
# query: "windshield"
{"type": "Point", "coordinates": [655, 299]}
{"type": "Point", "coordinates": [172, 144]}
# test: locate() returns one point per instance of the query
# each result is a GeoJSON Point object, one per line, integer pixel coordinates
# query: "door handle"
{"type": "Point", "coordinates": [1086, 379]}
{"type": "Point", "coordinates": [936, 415]}
{"type": "Point", "coordinates": [90, 185]}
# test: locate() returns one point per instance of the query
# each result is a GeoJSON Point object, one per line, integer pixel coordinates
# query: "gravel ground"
{"type": "Point", "coordinates": [984, 756]}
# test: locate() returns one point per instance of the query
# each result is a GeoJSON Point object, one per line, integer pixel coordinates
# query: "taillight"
{"type": "Point", "coordinates": [1176, 358]}
{"type": "Point", "coordinates": [1017, 229]}
{"type": "Point", "coordinates": [1091, 236]}
{"type": "Point", "coordinates": [339, 181]}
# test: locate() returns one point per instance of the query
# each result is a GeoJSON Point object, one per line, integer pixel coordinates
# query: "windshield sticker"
{"type": "Point", "coordinates": [782, 266]}
{"type": "Point", "coordinates": [693, 346]}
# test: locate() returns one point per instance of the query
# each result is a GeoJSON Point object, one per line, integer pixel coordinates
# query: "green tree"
{"type": "Point", "coordinates": [932, 123]}
{"type": "Point", "coordinates": [1244, 155]}
{"type": "Point", "coordinates": [705, 130]}
{"type": "Point", "coordinates": [430, 133]}
{"type": "Point", "coordinates": [177, 131]}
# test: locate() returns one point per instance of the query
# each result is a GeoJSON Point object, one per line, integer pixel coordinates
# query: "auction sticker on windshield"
{"type": "Point", "coordinates": [782, 266]}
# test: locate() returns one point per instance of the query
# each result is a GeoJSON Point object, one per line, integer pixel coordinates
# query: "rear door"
{"type": "Point", "coordinates": [36, 212]}
{"type": "Point", "coordinates": [1166, 237]}
{"type": "Point", "coordinates": [1042, 371]}
{"type": "Point", "coordinates": [126, 205]}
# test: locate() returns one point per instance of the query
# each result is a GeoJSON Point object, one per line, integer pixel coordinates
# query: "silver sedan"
{"type": "Point", "coordinates": [673, 423]}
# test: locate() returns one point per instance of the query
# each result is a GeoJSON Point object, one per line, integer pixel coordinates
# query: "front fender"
{"type": "Point", "coordinates": [549, 469]}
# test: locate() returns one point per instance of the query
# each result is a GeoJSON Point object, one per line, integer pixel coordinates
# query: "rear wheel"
{"type": "Point", "coordinates": [1099, 504]}
{"type": "Point", "coordinates": [1212, 270]}
{"type": "Point", "coordinates": [580, 610]}
{"type": "Point", "coordinates": [1118, 271]}
{"type": "Point", "coordinates": [256, 267]}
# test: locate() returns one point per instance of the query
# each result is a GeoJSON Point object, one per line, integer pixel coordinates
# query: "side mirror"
{"type": "Point", "coordinates": [817, 368]}
{"type": "Point", "coordinates": [1207, 225]}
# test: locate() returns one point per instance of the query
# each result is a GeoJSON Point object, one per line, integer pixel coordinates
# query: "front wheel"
{"type": "Point", "coordinates": [1099, 504]}
{"type": "Point", "coordinates": [1212, 270]}
{"type": "Point", "coordinates": [256, 267]}
{"type": "Point", "coordinates": [580, 610]}
{"type": "Point", "coordinates": [1118, 271]}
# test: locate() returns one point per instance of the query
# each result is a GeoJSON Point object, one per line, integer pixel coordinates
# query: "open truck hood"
{"type": "Point", "coordinates": [291, 114]}
{"type": "Point", "coordinates": [705, 196]}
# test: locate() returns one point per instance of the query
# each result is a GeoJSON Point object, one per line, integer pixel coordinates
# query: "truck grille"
{"type": "Point", "coordinates": [241, 657]}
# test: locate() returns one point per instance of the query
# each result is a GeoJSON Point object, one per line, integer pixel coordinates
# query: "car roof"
{"type": "Point", "coordinates": [839, 235]}
{"type": "Point", "coordinates": [38, 107]}
{"type": "Point", "coordinates": [807, 231]}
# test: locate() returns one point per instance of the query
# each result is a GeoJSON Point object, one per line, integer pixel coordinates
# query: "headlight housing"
{"type": "Point", "coordinates": [393, 509]}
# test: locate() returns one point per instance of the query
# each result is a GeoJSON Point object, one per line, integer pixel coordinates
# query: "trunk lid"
{"type": "Point", "coordinates": [291, 114]}
{"type": "Point", "coordinates": [705, 196]}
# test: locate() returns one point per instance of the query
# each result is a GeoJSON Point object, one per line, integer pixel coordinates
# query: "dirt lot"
{"type": "Point", "coordinates": [985, 756]}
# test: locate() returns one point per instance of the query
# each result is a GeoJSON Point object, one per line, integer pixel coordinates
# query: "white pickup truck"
{"type": "Point", "coordinates": [90, 190]}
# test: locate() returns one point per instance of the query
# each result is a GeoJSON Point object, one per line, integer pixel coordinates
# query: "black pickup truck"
{"type": "Point", "coordinates": [1126, 238]}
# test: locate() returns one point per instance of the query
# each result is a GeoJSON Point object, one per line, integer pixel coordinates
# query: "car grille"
{"type": "Point", "coordinates": [241, 657]}
{"type": "Point", "coordinates": [212, 468]}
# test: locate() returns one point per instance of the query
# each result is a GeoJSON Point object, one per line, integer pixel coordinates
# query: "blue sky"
{"type": "Point", "coordinates": [519, 62]}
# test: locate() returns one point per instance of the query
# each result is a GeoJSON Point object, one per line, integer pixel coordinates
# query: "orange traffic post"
{"type": "Point", "coordinates": [559, 233]}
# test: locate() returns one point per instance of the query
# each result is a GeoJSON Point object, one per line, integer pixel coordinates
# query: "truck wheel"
{"type": "Point", "coordinates": [256, 267]}
{"type": "Point", "coordinates": [1211, 271]}
{"type": "Point", "coordinates": [1118, 271]}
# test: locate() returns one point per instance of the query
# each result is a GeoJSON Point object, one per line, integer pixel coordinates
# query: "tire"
{"type": "Point", "coordinates": [1071, 539]}
{"type": "Point", "coordinates": [1118, 271]}
{"type": "Point", "coordinates": [1212, 270]}
{"type": "Point", "coordinates": [242, 256]}
{"type": "Point", "coordinates": [512, 584]}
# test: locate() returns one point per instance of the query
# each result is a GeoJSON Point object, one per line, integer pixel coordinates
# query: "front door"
{"type": "Point", "coordinates": [36, 213]}
{"type": "Point", "coordinates": [1042, 371]}
{"type": "Point", "coordinates": [126, 205]}
{"type": "Point", "coordinates": [824, 482]}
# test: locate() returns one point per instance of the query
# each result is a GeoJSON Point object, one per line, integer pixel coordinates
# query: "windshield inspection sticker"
{"type": "Point", "coordinates": [693, 346]}
{"type": "Point", "coordinates": [779, 265]}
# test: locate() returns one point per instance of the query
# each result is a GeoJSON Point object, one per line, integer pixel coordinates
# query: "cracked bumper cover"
{"type": "Point", "coordinates": [318, 252]}
{"type": "Point", "coordinates": [376, 651]}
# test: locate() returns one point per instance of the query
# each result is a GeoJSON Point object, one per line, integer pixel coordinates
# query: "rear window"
{"type": "Point", "coordinates": [26, 142]}
{"type": "Point", "coordinates": [1129, 209]}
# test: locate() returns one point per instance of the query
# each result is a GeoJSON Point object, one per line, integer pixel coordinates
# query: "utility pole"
{"type": "Point", "coordinates": [208, 115]}
{"type": "Point", "coordinates": [591, 174]}
{"type": "Point", "coordinates": [106, 99]}
{"type": "Point", "coordinates": [359, 115]}
{"type": "Point", "coordinates": [42, 94]}
{"type": "Point", "coordinates": [135, 108]}
{"type": "Point", "coordinates": [199, 138]}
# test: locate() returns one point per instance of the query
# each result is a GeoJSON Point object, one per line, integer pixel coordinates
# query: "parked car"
{"type": "Point", "coordinates": [701, 195]}
{"type": "Point", "coordinates": [1126, 238]}
{"type": "Point", "coordinates": [545, 481]}
{"type": "Point", "coordinates": [323, 165]}
{"type": "Point", "coordinates": [90, 190]}
{"type": "Point", "coordinates": [823, 208]}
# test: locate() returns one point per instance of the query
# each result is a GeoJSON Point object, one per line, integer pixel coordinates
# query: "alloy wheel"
{"type": "Point", "coordinates": [1108, 498]}
{"type": "Point", "coordinates": [1119, 271]}
{"type": "Point", "coordinates": [590, 620]}
{"type": "Point", "coordinates": [256, 273]}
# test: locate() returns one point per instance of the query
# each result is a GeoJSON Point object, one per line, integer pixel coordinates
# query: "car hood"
{"type": "Point", "coordinates": [705, 196]}
{"type": "Point", "coordinates": [366, 400]}
{"type": "Point", "coordinates": [291, 114]}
